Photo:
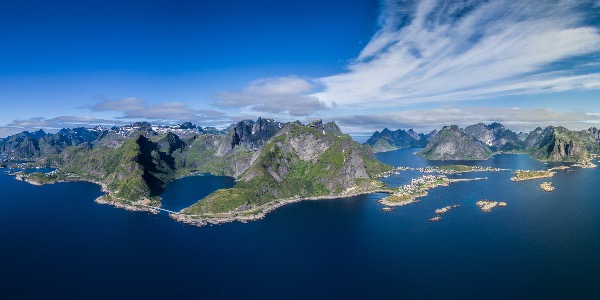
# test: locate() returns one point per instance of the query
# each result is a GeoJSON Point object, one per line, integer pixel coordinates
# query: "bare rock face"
{"type": "Point", "coordinates": [308, 147]}
{"type": "Point", "coordinates": [252, 135]}
{"type": "Point", "coordinates": [248, 135]}
{"type": "Point", "coordinates": [354, 168]}
{"type": "Point", "coordinates": [535, 137]}
{"type": "Point", "coordinates": [495, 136]}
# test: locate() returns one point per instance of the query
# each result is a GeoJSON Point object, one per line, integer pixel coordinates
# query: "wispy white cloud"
{"type": "Point", "coordinates": [60, 122]}
{"type": "Point", "coordinates": [282, 95]}
{"type": "Point", "coordinates": [519, 119]}
{"type": "Point", "coordinates": [438, 51]}
{"type": "Point", "coordinates": [134, 108]}
{"type": "Point", "coordinates": [54, 124]}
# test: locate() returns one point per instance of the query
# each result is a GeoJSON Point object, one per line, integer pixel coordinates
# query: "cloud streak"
{"type": "Point", "coordinates": [520, 119]}
{"type": "Point", "coordinates": [134, 108]}
{"type": "Point", "coordinates": [282, 95]}
{"type": "Point", "coordinates": [439, 51]}
{"type": "Point", "coordinates": [54, 124]}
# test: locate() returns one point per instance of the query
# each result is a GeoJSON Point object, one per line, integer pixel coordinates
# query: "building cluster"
{"type": "Point", "coordinates": [417, 183]}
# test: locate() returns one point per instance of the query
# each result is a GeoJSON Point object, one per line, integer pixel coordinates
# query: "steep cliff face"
{"type": "Point", "coordinates": [248, 135]}
{"type": "Point", "coordinates": [388, 140]}
{"type": "Point", "coordinates": [451, 143]}
{"type": "Point", "coordinates": [535, 137]}
{"type": "Point", "coordinates": [495, 136]}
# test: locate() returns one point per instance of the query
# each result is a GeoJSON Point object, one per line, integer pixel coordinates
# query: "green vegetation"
{"type": "Point", "coordinates": [404, 197]}
{"type": "Point", "coordinates": [223, 200]}
{"type": "Point", "coordinates": [282, 162]}
{"type": "Point", "coordinates": [528, 175]}
{"type": "Point", "coordinates": [457, 168]}
{"type": "Point", "coordinates": [561, 144]}
{"type": "Point", "coordinates": [280, 173]}
{"type": "Point", "coordinates": [42, 178]}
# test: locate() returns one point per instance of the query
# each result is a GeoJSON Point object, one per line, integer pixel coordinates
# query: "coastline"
{"type": "Point", "coordinates": [259, 212]}
{"type": "Point", "coordinates": [104, 199]}
{"type": "Point", "coordinates": [142, 205]}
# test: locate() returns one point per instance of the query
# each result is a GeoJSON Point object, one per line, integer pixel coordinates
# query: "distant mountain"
{"type": "Point", "coordinates": [479, 141]}
{"type": "Point", "coordinates": [388, 140]}
{"type": "Point", "coordinates": [451, 143]}
{"type": "Point", "coordinates": [24, 145]}
{"type": "Point", "coordinates": [561, 144]}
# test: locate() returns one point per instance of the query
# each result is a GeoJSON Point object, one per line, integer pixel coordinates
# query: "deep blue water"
{"type": "Point", "coordinates": [56, 243]}
{"type": "Point", "coordinates": [186, 191]}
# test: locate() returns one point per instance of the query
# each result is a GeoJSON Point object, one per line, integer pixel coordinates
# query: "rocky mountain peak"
{"type": "Point", "coordinates": [252, 135]}
{"type": "Point", "coordinates": [451, 143]}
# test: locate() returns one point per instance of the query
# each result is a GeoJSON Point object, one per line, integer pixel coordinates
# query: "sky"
{"type": "Point", "coordinates": [367, 65]}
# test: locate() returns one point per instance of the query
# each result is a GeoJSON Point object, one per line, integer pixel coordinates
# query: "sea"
{"type": "Point", "coordinates": [57, 243]}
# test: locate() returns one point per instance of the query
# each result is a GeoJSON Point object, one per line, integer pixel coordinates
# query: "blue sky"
{"type": "Point", "coordinates": [365, 64]}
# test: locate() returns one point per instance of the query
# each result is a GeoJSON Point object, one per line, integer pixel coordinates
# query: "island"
{"type": "Point", "coordinates": [441, 211]}
{"type": "Point", "coordinates": [521, 175]}
{"type": "Point", "coordinates": [547, 186]}
{"type": "Point", "coordinates": [446, 209]}
{"type": "Point", "coordinates": [488, 205]}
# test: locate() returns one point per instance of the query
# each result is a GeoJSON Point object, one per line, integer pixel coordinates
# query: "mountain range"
{"type": "Point", "coordinates": [480, 141]}
{"type": "Point", "coordinates": [270, 160]}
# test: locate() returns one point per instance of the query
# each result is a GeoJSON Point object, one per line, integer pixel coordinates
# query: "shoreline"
{"type": "Point", "coordinates": [259, 212]}
{"type": "Point", "coordinates": [103, 199]}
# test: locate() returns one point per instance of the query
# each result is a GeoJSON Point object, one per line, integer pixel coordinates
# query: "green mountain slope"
{"type": "Point", "coordinates": [299, 162]}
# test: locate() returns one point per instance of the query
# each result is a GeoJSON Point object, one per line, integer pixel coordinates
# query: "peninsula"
{"type": "Point", "coordinates": [418, 187]}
